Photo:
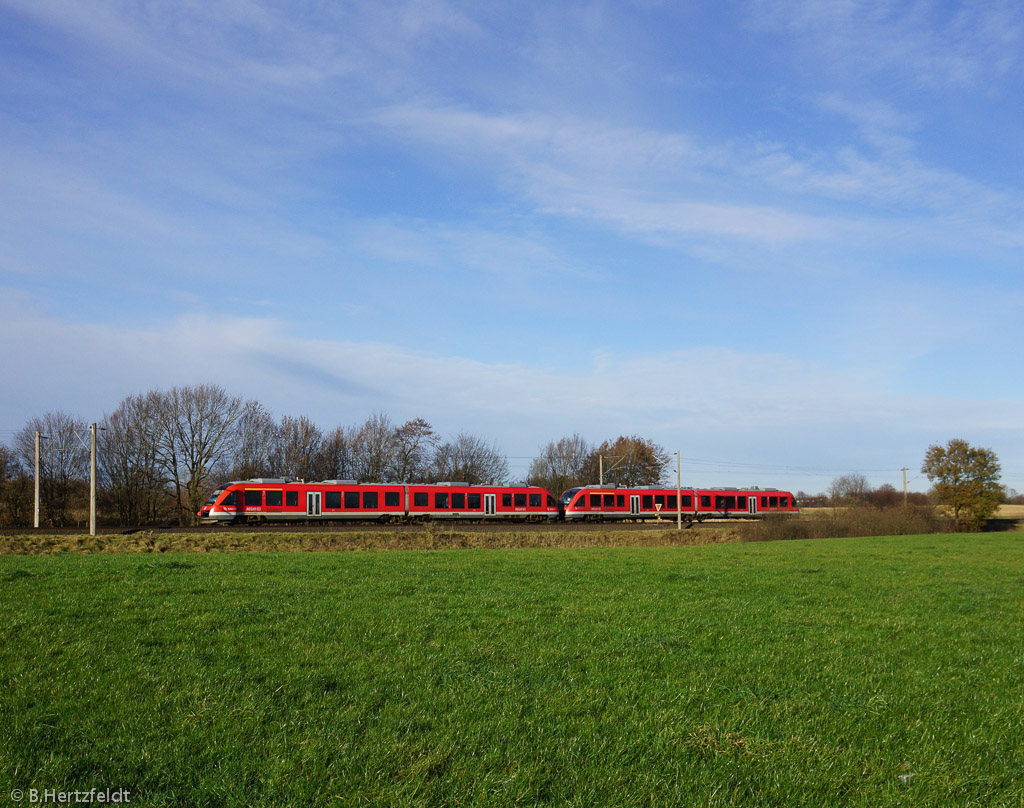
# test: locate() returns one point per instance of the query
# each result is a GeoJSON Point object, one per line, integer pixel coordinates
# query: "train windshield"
{"type": "Point", "coordinates": [567, 497]}
{"type": "Point", "coordinates": [214, 495]}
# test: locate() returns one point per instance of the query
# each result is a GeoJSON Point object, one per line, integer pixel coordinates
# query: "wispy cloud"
{"type": "Point", "coordinates": [647, 181]}
{"type": "Point", "coordinates": [930, 44]}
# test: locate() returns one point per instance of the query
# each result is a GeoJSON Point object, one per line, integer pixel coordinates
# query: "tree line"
{"type": "Point", "coordinates": [160, 453]}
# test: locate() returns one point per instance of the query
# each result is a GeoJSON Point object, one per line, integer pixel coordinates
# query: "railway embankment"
{"type": "Point", "coordinates": [351, 538]}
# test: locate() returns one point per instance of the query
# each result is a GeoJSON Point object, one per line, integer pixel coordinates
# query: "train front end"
{"type": "Point", "coordinates": [220, 507]}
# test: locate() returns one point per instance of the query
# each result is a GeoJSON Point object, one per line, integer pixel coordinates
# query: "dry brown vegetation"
{"type": "Point", "coordinates": [431, 537]}
{"type": "Point", "coordinates": [828, 523]}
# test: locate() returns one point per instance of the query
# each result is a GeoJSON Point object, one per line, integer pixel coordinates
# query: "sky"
{"type": "Point", "coordinates": [780, 237]}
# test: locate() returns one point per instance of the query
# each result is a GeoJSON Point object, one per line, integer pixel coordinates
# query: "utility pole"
{"type": "Point", "coordinates": [92, 479]}
{"type": "Point", "coordinates": [679, 494]}
{"type": "Point", "coordinates": [904, 470]}
{"type": "Point", "coordinates": [600, 465]}
{"type": "Point", "coordinates": [35, 522]}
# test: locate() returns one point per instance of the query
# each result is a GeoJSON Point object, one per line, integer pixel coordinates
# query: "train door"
{"type": "Point", "coordinates": [634, 504]}
{"type": "Point", "coordinates": [312, 503]}
{"type": "Point", "coordinates": [490, 504]}
{"type": "Point", "coordinates": [752, 505]}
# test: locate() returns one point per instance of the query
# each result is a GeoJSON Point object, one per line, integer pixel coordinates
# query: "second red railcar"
{"type": "Point", "coordinates": [604, 503]}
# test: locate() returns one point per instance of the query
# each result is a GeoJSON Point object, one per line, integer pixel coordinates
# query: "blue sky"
{"type": "Point", "coordinates": [782, 237]}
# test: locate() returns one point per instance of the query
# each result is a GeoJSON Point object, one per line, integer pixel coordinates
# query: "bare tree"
{"type": "Point", "coordinates": [850, 489]}
{"type": "Point", "coordinates": [297, 447]}
{"type": "Point", "coordinates": [414, 443]}
{"type": "Point", "coordinates": [560, 465]}
{"type": "Point", "coordinates": [15, 490]}
{"type": "Point", "coordinates": [336, 458]}
{"type": "Point", "coordinates": [374, 449]}
{"type": "Point", "coordinates": [197, 426]}
{"type": "Point", "coordinates": [469, 459]}
{"type": "Point", "coordinates": [128, 461]}
{"type": "Point", "coordinates": [64, 465]}
{"type": "Point", "coordinates": [255, 440]}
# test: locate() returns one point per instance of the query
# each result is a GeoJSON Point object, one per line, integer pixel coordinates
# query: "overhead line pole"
{"type": "Point", "coordinates": [904, 470]}
{"type": "Point", "coordinates": [600, 465]}
{"type": "Point", "coordinates": [92, 479]}
{"type": "Point", "coordinates": [35, 521]}
{"type": "Point", "coordinates": [679, 493]}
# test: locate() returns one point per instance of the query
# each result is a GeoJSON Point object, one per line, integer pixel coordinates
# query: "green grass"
{"type": "Point", "coordinates": [856, 672]}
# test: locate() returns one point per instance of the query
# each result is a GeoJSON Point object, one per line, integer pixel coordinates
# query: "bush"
{"type": "Point", "coordinates": [893, 521]}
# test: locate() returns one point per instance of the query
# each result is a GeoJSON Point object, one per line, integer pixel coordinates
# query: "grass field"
{"type": "Point", "coordinates": [856, 672]}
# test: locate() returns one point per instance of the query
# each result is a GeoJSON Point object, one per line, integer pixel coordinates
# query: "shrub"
{"type": "Point", "coordinates": [893, 521]}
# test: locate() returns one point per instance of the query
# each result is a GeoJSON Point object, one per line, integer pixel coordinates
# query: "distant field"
{"type": "Point", "coordinates": [855, 672]}
{"type": "Point", "coordinates": [1011, 512]}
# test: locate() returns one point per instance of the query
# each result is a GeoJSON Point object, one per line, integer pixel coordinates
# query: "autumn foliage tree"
{"type": "Point", "coordinates": [627, 461]}
{"type": "Point", "coordinates": [965, 480]}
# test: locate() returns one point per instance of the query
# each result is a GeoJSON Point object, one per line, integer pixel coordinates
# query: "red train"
{"type": "Point", "coordinates": [284, 500]}
{"type": "Point", "coordinates": [281, 500]}
{"type": "Point", "coordinates": [602, 503]}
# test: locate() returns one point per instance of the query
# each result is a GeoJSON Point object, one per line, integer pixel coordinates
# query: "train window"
{"type": "Point", "coordinates": [273, 499]}
{"type": "Point", "coordinates": [370, 499]}
{"type": "Point", "coordinates": [253, 498]}
{"type": "Point", "coordinates": [459, 502]}
{"type": "Point", "coordinates": [670, 502]}
{"type": "Point", "coordinates": [659, 499]}
{"type": "Point", "coordinates": [730, 503]}
{"type": "Point", "coordinates": [719, 503]}
{"type": "Point", "coordinates": [352, 499]}
{"type": "Point", "coordinates": [741, 503]}
{"type": "Point", "coordinates": [506, 500]}
{"type": "Point", "coordinates": [536, 500]}
{"type": "Point", "coordinates": [473, 502]}
{"type": "Point", "coordinates": [419, 499]}
{"type": "Point", "coordinates": [620, 500]}
{"type": "Point", "coordinates": [705, 501]}
{"type": "Point", "coordinates": [647, 502]}
{"type": "Point", "coordinates": [392, 499]}
{"type": "Point", "coordinates": [520, 500]}
{"type": "Point", "coordinates": [764, 502]}
{"type": "Point", "coordinates": [581, 501]}
{"type": "Point", "coordinates": [609, 500]}
{"type": "Point", "coordinates": [595, 500]}
{"type": "Point", "coordinates": [551, 501]}
{"type": "Point", "coordinates": [440, 500]}
{"type": "Point", "coordinates": [688, 501]}
{"type": "Point", "coordinates": [291, 499]}
{"type": "Point", "coordinates": [783, 502]}
{"type": "Point", "coordinates": [332, 499]}
{"type": "Point", "coordinates": [229, 499]}
{"type": "Point", "coordinates": [773, 502]}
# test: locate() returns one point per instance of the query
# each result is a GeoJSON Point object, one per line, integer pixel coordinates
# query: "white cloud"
{"type": "Point", "coordinates": [732, 404]}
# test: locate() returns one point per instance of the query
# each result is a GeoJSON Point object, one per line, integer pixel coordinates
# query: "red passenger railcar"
{"type": "Point", "coordinates": [604, 503]}
{"type": "Point", "coordinates": [284, 500]}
